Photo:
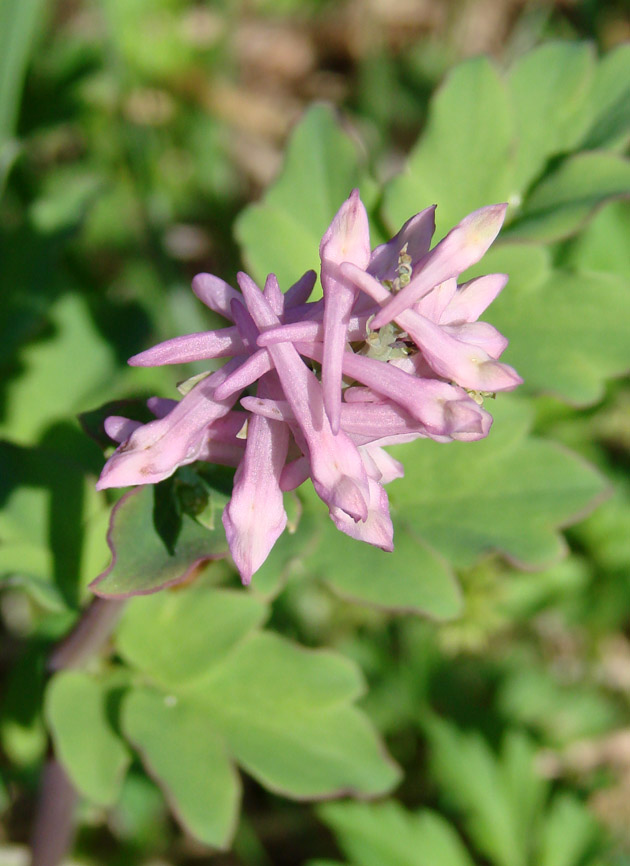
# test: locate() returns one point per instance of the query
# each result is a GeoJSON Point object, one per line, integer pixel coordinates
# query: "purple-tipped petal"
{"type": "Point", "coordinates": [192, 347]}
{"type": "Point", "coordinates": [377, 528]}
{"type": "Point", "coordinates": [161, 406]}
{"type": "Point", "coordinates": [215, 293]}
{"type": "Point", "coordinates": [119, 428]}
{"type": "Point", "coordinates": [462, 247]}
{"type": "Point", "coordinates": [244, 323]}
{"type": "Point", "coordinates": [416, 234]}
{"type": "Point", "coordinates": [300, 291]}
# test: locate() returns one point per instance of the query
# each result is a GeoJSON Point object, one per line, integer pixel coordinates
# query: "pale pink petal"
{"type": "Point", "coordinates": [215, 293]}
{"type": "Point", "coordinates": [192, 347]}
{"type": "Point", "coordinates": [468, 366]}
{"type": "Point", "coordinates": [479, 334]}
{"type": "Point", "coordinates": [433, 304]}
{"type": "Point", "coordinates": [361, 394]}
{"type": "Point", "coordinates": [443, 409]}
{"type": "Point", "coordinates": [346, 240]}
{"type": "Point", "coordinates": [276, 410]}
{"type": "Point", "coordinates": [295, 473]}
{"type": "Point", "coordinates": [155, 450]}
{"type": "Point", "coordinates": [472, 298]}
{"type": "Point", "coordinates": [273, 295]}
{"type": "Point", "coordinates": [249, 372]}
{"type": "Point", "coordinates": [223, 453]}
{"type": "Point", "coordinates": [254, 518]}
{"type": "Point", "coordinates": [389, 469]}
{"type": "Point", "coordinates": [462, 247]}
{"type": "Point", "coordinates": [309, 331]}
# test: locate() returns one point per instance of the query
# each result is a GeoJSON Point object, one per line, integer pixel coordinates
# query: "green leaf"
{"type": "Point", "coordinates": [561, 714]}
{"type": "Point", "coordinates": [462, 160]}
{"type": "Point", "coordinates": [568, 833]}
{"type": "Point", "coordinates": [52, 525]}
{"type": "Point", "coordinates": [22, 732]}
{"type": "Point", "coordinates": [65, 199]}
{"type": "Point", "coordinates": [284, 711]}
{"type": "Point", "coordinates": [610, 101]}
{"type": "Point", "coordinates": [549, 88]}
{"type": "Point", "coordinates": [472, 779]}
{"type": "Point", "coordinates": [203, 623]}
{"type": "Point", "coordinates": [507, 492]}
{"type": "Point", "coordinates": [282, 233]}
{"type": "Point", "coordinates": [561, 203]}
{"type": "Point", "coordinates": [62, 372]}
{"type": "Point", "coordinates": [189, 759]}
{"type": "Point", "coordinates": [78, 708]}
{"type": "Point", "coordinates": [603, 245]}
{"type": "Point", "coordinates": [19, 21]}
{"type": "Point", "coordinates": [412, 579]}
{"type": "Point", "coordinates": [568, 331]}
{"type": "Point", "coordinates": [141, 562]}
{"type": "Point", "coordinates": [385, 834]}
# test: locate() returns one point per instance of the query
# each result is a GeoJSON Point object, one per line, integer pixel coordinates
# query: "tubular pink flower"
{"type": "Point", "coordinates": [155, 450]}
{"type": "Point", "coordinates": [193, 347]}
{"type": "Point", "coordinates": [445, 410]}
{"type": "Point", "coordinates": [462, 247]}
{"type": "Point", "coordinates": [468, 365]}
{"type": "Point", "coordinates": [347, 239]}
{"type": "Point", "coordinates": [254, 518]}
{"type": "Point", "coordinates": [338, 473]}
{"type": "Point", "coordinates": [402, 354]}
{"type": "Point", "coordinates": [215, 293]}
{"type": "Point", "coordinates": [377, 528]}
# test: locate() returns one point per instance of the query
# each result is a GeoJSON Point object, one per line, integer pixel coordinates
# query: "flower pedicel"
{"type": "Point", "coordinates": [393, 352]}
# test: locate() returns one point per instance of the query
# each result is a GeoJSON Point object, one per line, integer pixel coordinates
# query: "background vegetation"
{"type": "Point", "coordinates": [142, 141]}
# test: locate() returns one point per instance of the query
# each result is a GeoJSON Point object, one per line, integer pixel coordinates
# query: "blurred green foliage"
{"type": "Point", "coordinates": [140, 140]}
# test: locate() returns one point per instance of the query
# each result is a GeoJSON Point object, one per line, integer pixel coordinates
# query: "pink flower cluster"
{"type": "Point", "coordinates": [392, 352]}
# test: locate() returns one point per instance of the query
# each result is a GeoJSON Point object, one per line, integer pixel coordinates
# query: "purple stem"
{"type": "Point", "coordinates": [54, 821]}
{"type": "Point", "coordinates": [53, 828]}
{"type": "Point", "coordinates": [88, 634]}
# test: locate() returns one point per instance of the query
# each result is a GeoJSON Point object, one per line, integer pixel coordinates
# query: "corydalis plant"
{"type": "Point", "coordinates": [392, 352]}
